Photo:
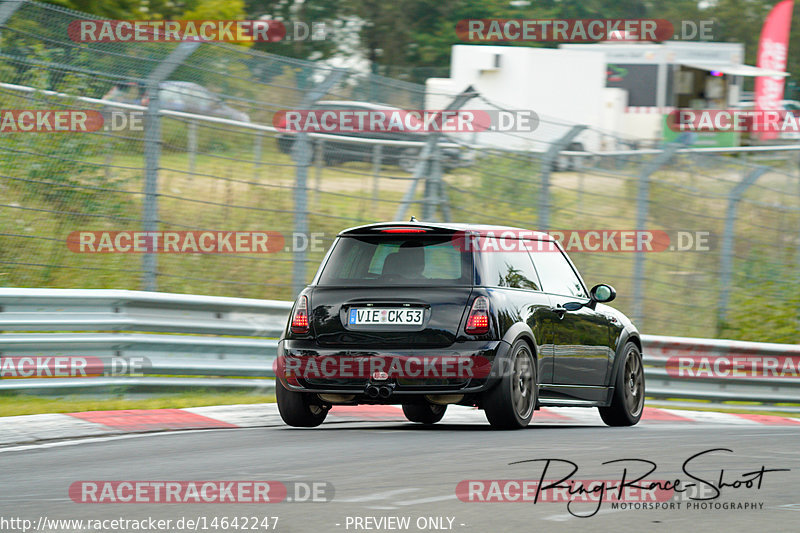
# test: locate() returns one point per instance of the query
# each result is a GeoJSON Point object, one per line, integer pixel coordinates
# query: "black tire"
{"type": "Point", "coordinates": [627, 402]}
{"type": "Point", "coordinates": [510, 403]}
{"type": "Point", "coordinates": [299, 409]}
{"type": "Point", "coordinates": [426, 413]}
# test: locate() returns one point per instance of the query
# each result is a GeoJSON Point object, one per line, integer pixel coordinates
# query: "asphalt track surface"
{"type": "Point", "coordinates": [398, 469]}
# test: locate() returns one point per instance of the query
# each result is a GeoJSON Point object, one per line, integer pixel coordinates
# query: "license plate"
{"type": "Point", "coordinates": [396, 317]}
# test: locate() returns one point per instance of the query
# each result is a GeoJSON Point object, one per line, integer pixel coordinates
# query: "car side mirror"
{"type": "Point", "coordinates": [599, 293]}
{"type": "Point", "coordinates": [603, 293]}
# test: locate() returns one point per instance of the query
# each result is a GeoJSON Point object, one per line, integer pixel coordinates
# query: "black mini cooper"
{"type": "Point", "coordinates": [425, 315]}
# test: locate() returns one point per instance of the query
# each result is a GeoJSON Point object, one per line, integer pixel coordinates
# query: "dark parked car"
{"type": "Point", "coordinates": [395, 304]}
{"type": "Point", "coordinates": [405, 157]}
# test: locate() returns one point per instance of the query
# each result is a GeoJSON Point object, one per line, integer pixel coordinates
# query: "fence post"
{"type": "Point", "coordinates": [257, 144]}
{"type": "Point", "coordinates": [302, 156]}
{"type": "Point", "coordinates": [726, 253]}
{"type": "Point", "coordinates": [548, 162]}
{"type": "Point", "coordinates": [444, 199]}
{"type": "Point", "coordinates": [432, 184]}
{"type": "Point", "coordinates": [797, 249]}
{"type": "Point", "coordinates": [319, 163]}
{"type": "Point", "coordinates": [377, 155]}
{"type": "Point", "coordinates": [152, 154]}
{"type": "Point", "coordinates": [642, 210]}
{"type": "Point", "coordinates": [424, 162]}
{"type": "Point", "coordinates": [8, 8]}
{"type": "Point", "coordinates": [191, 142]}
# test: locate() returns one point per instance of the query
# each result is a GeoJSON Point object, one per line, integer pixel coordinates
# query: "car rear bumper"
{"type": "Point", "coordinates": [290, 352]}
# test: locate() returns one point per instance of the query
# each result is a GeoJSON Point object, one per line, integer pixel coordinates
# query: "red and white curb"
{"type": "Point", "coordinates": [34, 428]}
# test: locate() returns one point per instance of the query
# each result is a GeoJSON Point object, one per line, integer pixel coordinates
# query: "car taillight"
{"type": "Point", "coordinates": [478, 321]}
{"type": "Point", "coordinates": [300, 316]}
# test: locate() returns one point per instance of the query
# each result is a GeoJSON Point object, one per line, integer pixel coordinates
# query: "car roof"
{"type": "Point", "coordinates": [352, 103]}
{"type": "Point", "coordinates": [448, 227]}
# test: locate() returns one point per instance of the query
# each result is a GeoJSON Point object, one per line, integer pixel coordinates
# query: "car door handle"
{"type": "Point", "coordinates": [560, 311]}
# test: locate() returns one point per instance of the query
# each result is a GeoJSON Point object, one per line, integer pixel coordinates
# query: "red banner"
{"type": "Point", "coordinates": [772, 51]}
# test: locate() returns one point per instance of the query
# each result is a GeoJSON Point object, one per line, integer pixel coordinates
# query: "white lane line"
{"type": "Point", "coordinates": [74, 441]}
{"type": "Point", "coordinates": [714, 417]}
{"type": "Point", "coordinates": [786, 507]}
{"type": "Point", "coordinates": [427, 500]}
{"type": "Point", "coordinates": [376, 496]}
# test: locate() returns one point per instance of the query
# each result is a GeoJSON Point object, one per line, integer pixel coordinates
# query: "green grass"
{"type": "Point", "coordinates": [13, 405]}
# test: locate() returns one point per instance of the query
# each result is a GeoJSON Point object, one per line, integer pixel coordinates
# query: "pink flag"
{"type": "Point", "coordinates": [772, 51]}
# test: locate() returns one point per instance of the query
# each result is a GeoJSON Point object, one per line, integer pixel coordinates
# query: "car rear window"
{"type": "Point", "coordinates": [397, 260]}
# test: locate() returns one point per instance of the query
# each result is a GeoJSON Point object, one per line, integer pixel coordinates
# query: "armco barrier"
{"type": "Point", "coordinates": [221, 338]}
{"type": "Point", "coordinates": [227, 342]}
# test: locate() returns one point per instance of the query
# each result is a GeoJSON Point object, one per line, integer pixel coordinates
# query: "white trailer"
{"type": "Point", "coordinates": [563, 87]}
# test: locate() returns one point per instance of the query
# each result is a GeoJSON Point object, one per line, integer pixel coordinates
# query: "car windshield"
{"type": "Point", "coordinates": [397, 260]}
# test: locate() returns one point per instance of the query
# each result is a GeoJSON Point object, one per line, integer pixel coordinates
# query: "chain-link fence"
{"type": "Point", "coordinates": [207, 157]}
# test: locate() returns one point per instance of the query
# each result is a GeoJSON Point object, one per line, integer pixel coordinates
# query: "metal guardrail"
{"type": "Point", "coordinates": [221, 338]}
{"type": "Point", "coordinates": [664, 378]}
{"type": "Point", "coordinates": [224, 340]}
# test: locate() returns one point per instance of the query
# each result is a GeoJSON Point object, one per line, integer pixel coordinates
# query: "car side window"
{"type": "Point", "coordinates": [512, 269]}
{"type": "Point", "coordinates": [557, 275]}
